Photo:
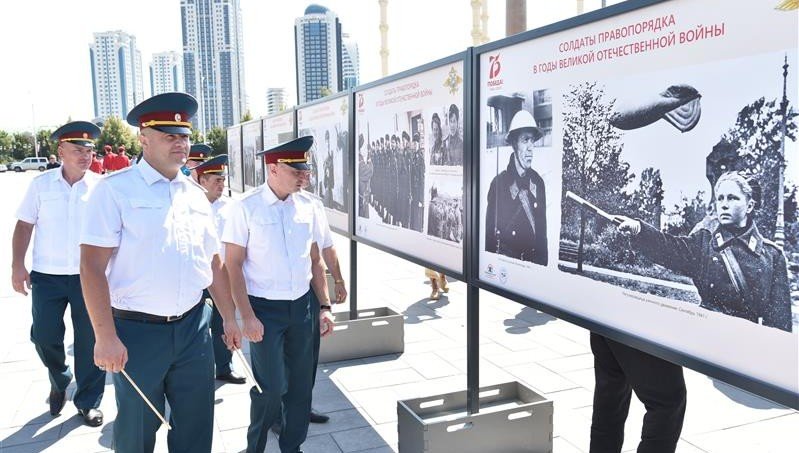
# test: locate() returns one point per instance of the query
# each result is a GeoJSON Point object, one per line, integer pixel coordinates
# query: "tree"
{"type": "Point", "coordinates": [758, 136]}
{"type": "Point", "coordinates": [6, 144]}
{"type": "Point", "coordinates": [325, 92]}
{"type": "Point", "coordinates": [115, 133]}
{"type": "Point", "coordinates": [645, 201]}
{"type": "Point", "coordinates": [247, 116]}
{"type": "Point", "coordinates": [196, 136]}
{"type": "Point", "coordinates": [592, 165]}
{"type": "Point", "coordinates": [217, 139]}
{"type": "Point", "coordinates": [23, 145]}
{"type": "Point", "coordinates": [46, 146]}
{"type": "Point", "coordinates": [686, 215]}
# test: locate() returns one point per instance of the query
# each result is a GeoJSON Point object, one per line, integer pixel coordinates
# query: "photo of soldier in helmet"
{"type": "Point", "coordinates": [516, 223]}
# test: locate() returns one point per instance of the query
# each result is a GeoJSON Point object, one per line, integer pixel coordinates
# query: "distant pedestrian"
{"type": "Point", "coordinates": [52, 162]}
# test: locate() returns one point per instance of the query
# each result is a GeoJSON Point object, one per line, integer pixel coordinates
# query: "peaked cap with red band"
{"type": "Point", "coordinates": [199, 152]}
{"type": "Point", "coordinates": [81, 133]}
{"type": "Point", "coordinates": [213, 166]}
{"type": "Point", "coordinates": [293, 153]}
{"type": "Point", "coordinates": [169, 113]}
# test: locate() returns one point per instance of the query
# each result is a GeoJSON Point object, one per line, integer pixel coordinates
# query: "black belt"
{"type": "Point", "coordinates": [147, 317]}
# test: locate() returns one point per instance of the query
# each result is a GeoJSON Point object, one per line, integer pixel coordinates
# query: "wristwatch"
{"type": "Point", "coordinates": [325, 307]}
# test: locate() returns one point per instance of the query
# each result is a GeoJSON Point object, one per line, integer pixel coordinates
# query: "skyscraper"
{"type": "Point", "coordinates": [117, 80]}
{"type": "Point", "coordinates": [166, 73]}
{"type": "Point", "coordinates": [213, 60]}
{"type": "Point", "coordinates": [275, 100]}
{"type": "Point", "coordinates": [350, 62]}
{"type": "Point", "coordinates": [317, 40]}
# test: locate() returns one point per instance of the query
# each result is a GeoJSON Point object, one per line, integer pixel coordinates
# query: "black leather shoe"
{"type": "Point", "coordinates": [232, 378]}
{"type": "Point", "coordinates": [57, 401]}
{"type": "Point", "coordinates": [319, 418]}
{"type": "Point", "coordinates": [91, 417]}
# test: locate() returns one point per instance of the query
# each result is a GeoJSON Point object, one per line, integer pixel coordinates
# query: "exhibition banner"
{"type": "Point", "coordinates": [640, 172]}
{"type": "Point", "coordinates": [409, 165]}
{"type": "Point", "coordinates": [328, 123]}
{"type": "Point", "coordinates": [251, 143]}
{"type": "Point", "coordinates": [235, 167]}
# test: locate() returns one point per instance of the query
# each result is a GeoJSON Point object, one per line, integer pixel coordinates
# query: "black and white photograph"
{"type": "Point", "coordinates": [328, 123]}
{"type": "Point", "coordinates": [446, 137]}
{"type": "Point", "coordinates": [252, 142]}
{"type": "Point", "coordinates": [680, 191]}
{"type": "Point", "coordinates": [445, 208]}
{"type": "Point", "coordinates": [516, 216]}
{"type": "Point", "coordinates": [409, 166]}
{"type": "Point", "coordinates": [397, 160]}
{"type": "Point", "coordinates": [234, 152]}
{"type": "Point", "coordinates": [670, 177]}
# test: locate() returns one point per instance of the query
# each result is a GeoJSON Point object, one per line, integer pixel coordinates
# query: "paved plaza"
{"type": "Point", "coordinates": [517, 344]}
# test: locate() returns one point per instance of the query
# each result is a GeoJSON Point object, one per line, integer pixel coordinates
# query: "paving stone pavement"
{"type": "Point", "coordinates": [516, 343]}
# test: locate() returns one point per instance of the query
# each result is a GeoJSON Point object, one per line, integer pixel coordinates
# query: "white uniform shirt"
{"type": "Point", "coordinates": [325, 237]}
{"type": "Point", "coordinates": [278, 236]}
{"type": "Point", "coordinates": [220, 208]}
{"type": "Point", "coordinates": [56, 209]}
{"type": "Point", "coordinates": [164, 236]}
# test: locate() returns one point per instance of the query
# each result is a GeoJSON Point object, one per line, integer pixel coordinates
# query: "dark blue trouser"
{"type": "Point", "coordinates": [659, 384]}
{"type": "Point", "coordinates": [222, 355]}
{"type": "Point", "coordinates": [50, 296]}
{"type": "Point", "coordinates": [316, 337]}
{"type": "Point", "coordinates": [172, 362]}
{"type": "Point", "coordinates": [283, 366]}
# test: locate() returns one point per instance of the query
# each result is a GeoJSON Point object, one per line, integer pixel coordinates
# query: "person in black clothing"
{"type": "Point", "coordinates": [516, 223]}
{"type": "Point", "coordinates": [736, 270]}
{"type": "Point", "coordinates": [52, 163]}
{"type": "Point", "coordinates": [619, 370]}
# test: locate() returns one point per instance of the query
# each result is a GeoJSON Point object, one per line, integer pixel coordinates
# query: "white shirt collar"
{"type": "Point", "coordinates": [271, 198]}
{"type": "Point", "coordinates": [152, 176]}
{"type": "Point", "coordinates": [59, 175]}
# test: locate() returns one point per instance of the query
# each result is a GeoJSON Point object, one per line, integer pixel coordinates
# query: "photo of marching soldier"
{"type": "Point", "coordinates": [445, 215]}
{"type": "Point", "coordinates": [396, 161]}
{"type": "Point", "coordinates": [515, 224]}
{"type": "Point", "coordinates": [732, 247]}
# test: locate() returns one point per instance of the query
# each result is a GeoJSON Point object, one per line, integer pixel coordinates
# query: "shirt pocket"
{"type": "Point", "coordinates": [146, 219]}
{"type": "Point", "coordinates": [266, 236]}
{"type": "Point", "coordinates": [302, 233]}
{"type": "Point", "coordinates": [53, 208]}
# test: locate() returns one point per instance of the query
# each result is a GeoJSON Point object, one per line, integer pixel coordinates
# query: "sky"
{"type": "Point", "coordinates": [45, 76]}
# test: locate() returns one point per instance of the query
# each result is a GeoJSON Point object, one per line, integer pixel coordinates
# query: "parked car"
{"type": "Point", "coordinates": [29, 163]}
{"type": "Point", "coordinates": [3, 168]}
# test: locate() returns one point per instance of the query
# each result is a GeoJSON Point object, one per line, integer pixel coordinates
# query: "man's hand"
{"type": "Point", "coordinates": [253, 329]}
{"type": "Point", "coordinates": [628, 226]}
{"type": "Point", "coordinates": [232, 335]}
{"type": "Point", "coordinates": [341, 292]}
{"type": "Point", "coordinates": [20, 279]}
{"type": "Point", "coordinates": [326, 323]}
{"type": "Point", "coordinates": [110, 355]}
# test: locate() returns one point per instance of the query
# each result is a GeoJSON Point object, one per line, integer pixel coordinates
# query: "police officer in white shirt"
{"type": "Point", "coordinates": [150, 229]}
{"type": "Point", "coordinates": [53, 206]}
{"type": "Point", "coordinates": [211, 175]}
{"type": "Point", "coordinates": [274, 263]}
